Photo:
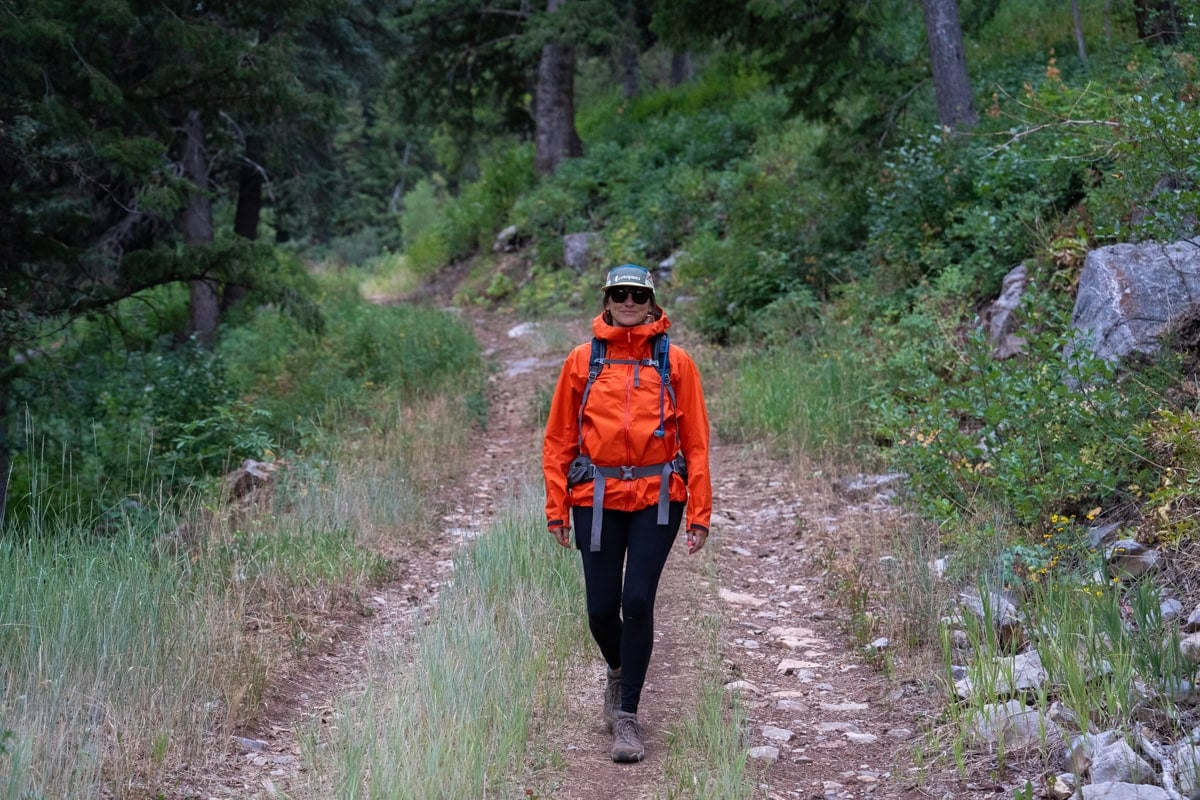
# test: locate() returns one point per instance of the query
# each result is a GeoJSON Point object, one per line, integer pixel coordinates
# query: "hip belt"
{"type": "Point", "coordinates": [583, 470]}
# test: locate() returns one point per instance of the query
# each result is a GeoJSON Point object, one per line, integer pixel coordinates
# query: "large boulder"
{"type": "Point", "coordinates": [1131, 294]}
{"type": "Point", "coordinates": [579, 250]}
{"type": "Point", "coordinates": [1000, 318]}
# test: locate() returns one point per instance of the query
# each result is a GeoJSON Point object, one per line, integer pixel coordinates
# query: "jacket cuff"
{"type": "Point", "coordinates": [698, 527]}
{"type": "Point", "coordinates": [554, 523]}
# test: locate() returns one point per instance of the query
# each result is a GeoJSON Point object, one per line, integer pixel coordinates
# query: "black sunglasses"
{"type": "Point", "coordinates": [619, 294]}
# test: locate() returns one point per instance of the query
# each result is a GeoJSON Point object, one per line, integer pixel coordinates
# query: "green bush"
{"type": "Point", "coordinates": [484, 206]}
{"type": "Point", "coordinates": [103, 422]}
{"type": "Point", "coordinates": [424, 243]}
{"type": "Point", "coordinates": [414, 352]}
{"type": "Point", "coordinates": [950, 201]}
{"type": "Point", "coordinates": [107, 418]}
{"type": "Point", "coordinates": [1012, 440]}
{"type": "Point", "coordinates": [648, 186]}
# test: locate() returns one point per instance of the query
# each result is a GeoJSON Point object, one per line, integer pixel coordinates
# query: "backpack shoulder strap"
{"type": "Point", "coordinates": [660, 349]}
{"type": "Point", "coordinates": [596, 363]}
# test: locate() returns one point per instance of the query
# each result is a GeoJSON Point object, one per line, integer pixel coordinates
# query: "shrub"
{"type": "Point", "coordinates": [1011, 439]}
{"type": "Point", "coordinates": [424, 244]}
{"type": "Point", "coordinates": [484, 206]}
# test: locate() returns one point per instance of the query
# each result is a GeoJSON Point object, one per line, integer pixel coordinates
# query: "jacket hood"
{"type": "Point", "coordinates": [635, 336]}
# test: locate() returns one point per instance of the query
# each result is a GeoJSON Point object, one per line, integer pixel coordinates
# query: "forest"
{"type": "Point", "coordinates": [201, 199]}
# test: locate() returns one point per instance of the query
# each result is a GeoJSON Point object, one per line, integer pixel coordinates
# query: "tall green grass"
{"type": "Point", "coordinates": [122, 647]}
{"type": "Point", "coordinates": [111, 660]}
{"type": "Point", "coordinates": [707, 749]}
{"type": "Point", "coordinates": [455, 712]}
{"type": "Point", "coordinates": [799, 399]}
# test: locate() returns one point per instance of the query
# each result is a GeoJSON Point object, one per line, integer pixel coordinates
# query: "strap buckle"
{"type": "Point", "coordinates": [627, 473]}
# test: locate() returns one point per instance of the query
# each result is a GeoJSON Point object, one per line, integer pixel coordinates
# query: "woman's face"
{"type": "Point", "coordinates": [622, 303]}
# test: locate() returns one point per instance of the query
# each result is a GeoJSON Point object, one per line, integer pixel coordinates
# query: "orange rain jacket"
{"type": "Point", "coordinates": [619, 423]}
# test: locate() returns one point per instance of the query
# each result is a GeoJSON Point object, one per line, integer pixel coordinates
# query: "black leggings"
{"type": "Point", "coordinates": [621, 618]}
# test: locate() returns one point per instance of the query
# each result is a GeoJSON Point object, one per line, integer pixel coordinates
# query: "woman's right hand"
{"type": "Point", "coordinates": [563, 534]}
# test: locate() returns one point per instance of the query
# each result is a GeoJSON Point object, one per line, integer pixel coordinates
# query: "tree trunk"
{"type": "Point", "coordinates": [630, 70]}
{"type": "Point", "coordinates": [951, 83]}
{"type": "Point", "coordinates": [556, 136]}
{"type": "Point", "coordinates": [630, 52]}
{"type": "Point", "coordinates": [682, 69]}
{"type": "Point", "coordinates": [198, 229]}
{"type": "Point", "coordinates": [1157, 21]}
{"type": "Point", "coordinates": [1078, 31]}
{"type": "Point", "coordinates": [248, 213]}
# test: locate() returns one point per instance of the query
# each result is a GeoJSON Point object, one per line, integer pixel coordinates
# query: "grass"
{"type": "Point", "coordinates": [122, 648]}
{"type": "Point", "coordinates": [390, 277]}
{"type": "Point", "coordinates": [111, 660]}
{"type": "Point", "coordinates": [800, 400]}
{"type": "Point", "coordinates": [707, 749]}
{"type": "Point", "coordinates": [455, 712]}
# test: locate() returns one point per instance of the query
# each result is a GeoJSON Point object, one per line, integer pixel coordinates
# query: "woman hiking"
{"type": "Point", "coordinates": [626, 448]}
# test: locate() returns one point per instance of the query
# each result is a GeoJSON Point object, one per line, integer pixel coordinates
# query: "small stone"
{"type": "Point", "coordinates": [833, 727]}
{"type": "Point", "coordinates": [764, 752]}
{"type": "Point", "coordinates": [777, 734]}
{"type": "Point", "coordinates": [855, 737]}
{"type": "Point", "coordinates": [742, 686]}
{"type": "Point", "coordinates": [741, 599]}
{"type": "Point", "coordinates": [844, 707]}
{"type": "Point", "coordinates": [1063, 786]}
{"type": "Point", "coordinates": [250, 745]}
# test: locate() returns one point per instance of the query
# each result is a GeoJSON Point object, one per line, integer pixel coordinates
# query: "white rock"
{"type": "Point", "coordinates": [777, 734]}
{"type": "Point", "coordinates": [765, 752]}
{"type": "Point", "coordinates": [742, 686]}
{"type": "Point", "coordinates": [779, 632]}
{"type": "Point", "coordinates": [740, 599]}
{"type": "Point", "coordinates": [523, 329]}
{"type": "Point", "coordinates": [855, 737]}
{"type": "Point", "coordinates": [1189, 646]}
{"type": "Point", "coordinates": [1122, 791]}
{"type": "Point", "coordinates": [834, 727]}
{"type": "Point", "coordinates": [1063, 786]}
{"type": "Point", "coordinates": [843, 707]}
{"type": "Point", "coordinates": [1120, 763]}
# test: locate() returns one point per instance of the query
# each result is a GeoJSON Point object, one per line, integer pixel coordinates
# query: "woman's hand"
{"type": "Point", "coordinates": [696, 537]}
{"type": "Point", "coordinates": [563, 534]}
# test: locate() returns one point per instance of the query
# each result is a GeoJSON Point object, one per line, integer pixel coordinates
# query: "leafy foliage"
{"type": "Point", "coordinates": [1021, 438]}
{"type": "Point", "coordinates": [115, 416]}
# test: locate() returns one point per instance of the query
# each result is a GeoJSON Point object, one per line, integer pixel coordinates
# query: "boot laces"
{"type": "Point", "coordinates": [628, 731]}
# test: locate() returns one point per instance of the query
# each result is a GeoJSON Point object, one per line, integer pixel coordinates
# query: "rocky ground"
{"type": "Point", "coordinates": [825, 721]}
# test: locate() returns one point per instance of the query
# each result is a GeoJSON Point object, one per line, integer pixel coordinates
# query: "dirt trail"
{"type": "Point", "coordinates": [774, 535]}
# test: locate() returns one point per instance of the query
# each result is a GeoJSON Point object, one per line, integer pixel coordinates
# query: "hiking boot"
{"type": "Point", "coordinates": [628, 740]}
{"type": "Point", "coordinates": [612, 697]}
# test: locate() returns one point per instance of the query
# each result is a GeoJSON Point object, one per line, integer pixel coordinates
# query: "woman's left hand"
{"type": "Point", "coordinates": [695, 540]}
